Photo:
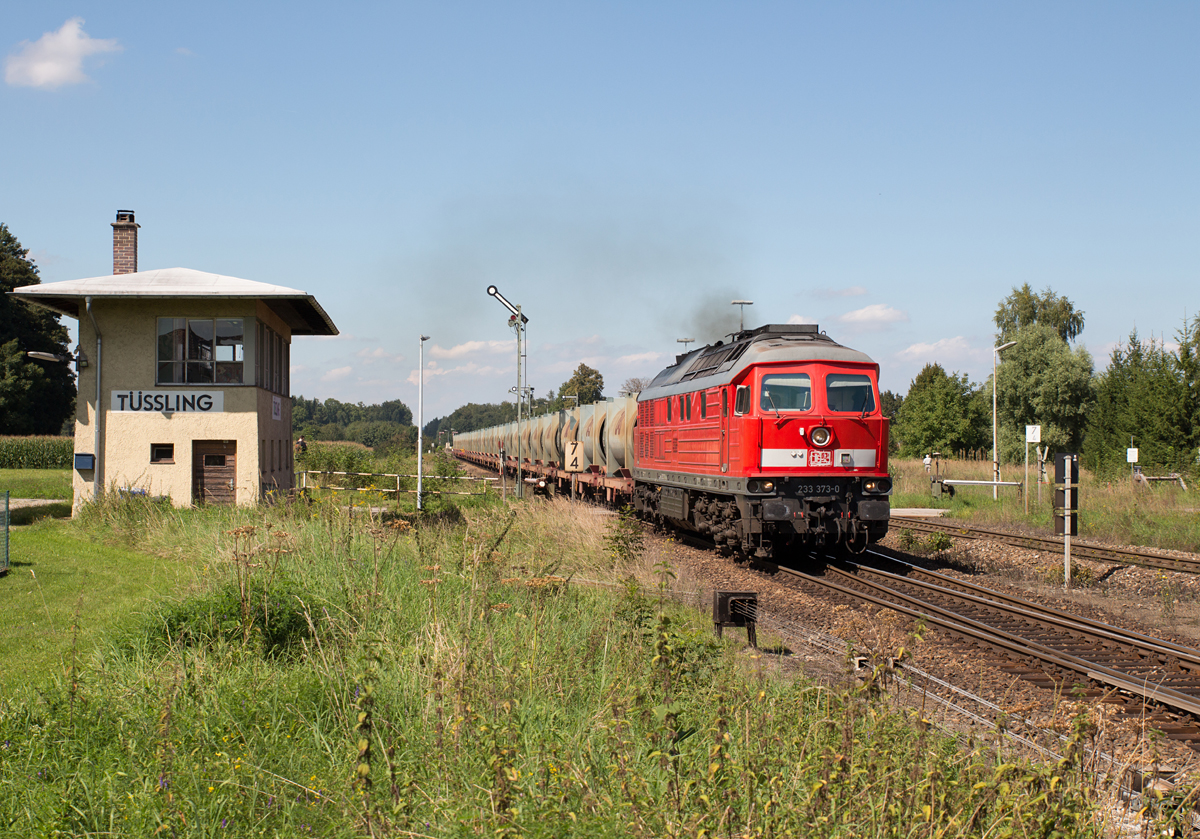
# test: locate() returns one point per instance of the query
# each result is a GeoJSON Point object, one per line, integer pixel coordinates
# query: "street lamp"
{"type": "Point", "coordinates": [995, 458]}
{"type": "Point", "coordinates": [420, 409]}
{"type": "Point", "coordinates": [518, 321]}
{"type": "Point", "coordinates": [742, 316]}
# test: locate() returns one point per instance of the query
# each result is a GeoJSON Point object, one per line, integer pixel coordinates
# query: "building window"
{"type": "Point", "coordinates": [201, 351]}
{"type": "Point", "coordinates": [271, 360]}
{"type": "Point", "coordinates": [162, 452]}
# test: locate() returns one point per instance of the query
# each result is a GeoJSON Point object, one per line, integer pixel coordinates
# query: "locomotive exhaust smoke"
{"type": "Point", "coordinates": [714, 318]}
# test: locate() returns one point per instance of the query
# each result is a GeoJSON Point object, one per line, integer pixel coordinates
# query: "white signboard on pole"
{"type": "Point", "coordinates": [1033, 434]}
{"type": "Point", "coordinates": [1131, 455]}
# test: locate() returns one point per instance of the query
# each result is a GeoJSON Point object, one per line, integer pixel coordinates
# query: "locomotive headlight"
{"type": "Point", "coordinates": [760, 486]}
{"type": "Point", "coordinates": [820, 436]}
{"type": "Point", "coordinates": [877, 486]}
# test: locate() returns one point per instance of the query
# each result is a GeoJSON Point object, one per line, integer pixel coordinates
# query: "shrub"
{"type": "Point", "coordinates": [271, 613]}
{"type": "Point", "coordinates": [36, 452]}
{"type": "Point", "coordinates": [336, 457]}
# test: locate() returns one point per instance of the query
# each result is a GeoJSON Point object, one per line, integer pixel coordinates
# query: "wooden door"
{"type": "Point", "coordinates": [214, 471]}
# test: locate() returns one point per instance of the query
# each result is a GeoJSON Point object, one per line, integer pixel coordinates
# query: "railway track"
{"type": "Point", "coordinates": [1079, 549]}
{"type": "Point", "coordinates": [1156, 680]}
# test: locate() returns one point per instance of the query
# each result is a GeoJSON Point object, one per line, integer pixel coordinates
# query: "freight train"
{"type": "Point", "coordinates": [769, 443]}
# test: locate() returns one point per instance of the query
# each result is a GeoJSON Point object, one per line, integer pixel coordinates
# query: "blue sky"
{"type": "Point", "coordinates": [622, 170]}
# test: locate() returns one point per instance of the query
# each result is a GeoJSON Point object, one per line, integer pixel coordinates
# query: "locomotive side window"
{"type": "Point", "coordinates": [724, 403]}
{"type": "Point", "coordinates": [668, 409]}
{"type": "Point", "coordinates": [741, 403]}
{"type": "Point", "coordinates": [703, 404]}
{"type": "Point", "coordinates": [849, 392]}
{"type": "Point", "coordinates": [786, 392]}
{"type": "Point", "coordinates": [689, 407]}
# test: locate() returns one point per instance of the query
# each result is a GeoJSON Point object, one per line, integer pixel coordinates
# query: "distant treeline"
{"type": "Point", "coordinates": [383, 427]}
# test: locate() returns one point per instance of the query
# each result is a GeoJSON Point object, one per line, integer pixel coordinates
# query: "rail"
{"type": "Point", "coordinates": [1163, 689]}
{"type": "Point", "coordinates": [1079, 549]}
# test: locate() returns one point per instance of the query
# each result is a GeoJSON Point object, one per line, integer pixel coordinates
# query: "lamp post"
{"type": "Point", "coordinates": [995, 459]}
{"type": "Point", "coordinates": [742, 317]}
{"type": "Point", "coordinates": [517, 320]}
{"type": "Point", "coordinates": [420, 410]}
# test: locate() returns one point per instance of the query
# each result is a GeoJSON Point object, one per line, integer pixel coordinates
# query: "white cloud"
{"type": "Point", "coordinates": [460, 350]}
{"type": "Point", "coordinates": [801, 319]}
{"type": "Point", "coordinates": [337, 374]}
{"type": "Point", "coordinates": [379, 354]}
{"type": "Point", "coordinates": [947, 349]}
{"type": "Point", "coordinates": [874, 315]}
{"type": "Point", "coordinates": [468, 369]}
{"type": "Point", "coordinates": [55, 59]}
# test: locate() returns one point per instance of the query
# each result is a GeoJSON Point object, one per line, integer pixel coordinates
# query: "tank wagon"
{"type": "Point", "coordinates": [770, 442]}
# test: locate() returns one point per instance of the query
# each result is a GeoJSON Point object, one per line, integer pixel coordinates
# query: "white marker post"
{"type": "Point", "coordinates": [573, 463]}
{"type": "Point", "coordinates": [1066, 474]}
{"type": "Point", "coordinates": [1033, 434]}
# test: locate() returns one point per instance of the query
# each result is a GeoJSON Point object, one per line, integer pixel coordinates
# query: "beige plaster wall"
{"type": "Point", "coordinates": [129, 334]}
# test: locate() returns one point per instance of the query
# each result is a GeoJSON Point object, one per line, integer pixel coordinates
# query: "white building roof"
{"type": "Point", "coordinates": [300, 311]}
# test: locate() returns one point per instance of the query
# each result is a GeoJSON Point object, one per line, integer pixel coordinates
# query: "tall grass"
{"type": "Point", "coordinates": [338, 675]}
{"type": "Point", "coordinates": [1162, 515]}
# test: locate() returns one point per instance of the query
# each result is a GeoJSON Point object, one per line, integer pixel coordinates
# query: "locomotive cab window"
{"type": "Point", "coordinates": [849, 393]}
{"type": "Point", "coordinates": [741, 402]}
{"type": "Point", "coordinates": [786, 392]}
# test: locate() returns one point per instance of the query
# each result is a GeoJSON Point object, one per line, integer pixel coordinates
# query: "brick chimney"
{"type": "Point", "coordinates": [125, 243]}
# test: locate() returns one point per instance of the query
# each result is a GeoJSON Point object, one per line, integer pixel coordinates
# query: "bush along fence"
{"type": "Point", "coordinates": [36, 452]}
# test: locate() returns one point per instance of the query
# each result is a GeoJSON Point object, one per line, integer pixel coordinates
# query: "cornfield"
{"type": "Point", "coordinates": [36, 452]}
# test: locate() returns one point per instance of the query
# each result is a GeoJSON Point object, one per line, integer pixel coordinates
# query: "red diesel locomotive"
{"type": "Point", "coordinates": [770, 442]}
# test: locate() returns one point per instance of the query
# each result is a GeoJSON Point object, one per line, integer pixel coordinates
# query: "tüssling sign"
{"type": "Point", "coordinates": [169, 401]}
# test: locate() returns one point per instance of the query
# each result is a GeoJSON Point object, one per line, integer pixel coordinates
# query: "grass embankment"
{"type": "Point", "coordinates": [332, 675]}
{"type": "Point", "coordinates": [1162, 515]}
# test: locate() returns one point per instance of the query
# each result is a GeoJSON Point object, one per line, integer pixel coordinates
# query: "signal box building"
{"type": "Point", "coordinates": [183, 378]}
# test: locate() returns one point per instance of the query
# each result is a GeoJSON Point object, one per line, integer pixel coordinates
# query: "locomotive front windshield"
{"type": "Point", "coordinates": [786, 392]}
{"type": "Point", "coordinates": [849, 392]}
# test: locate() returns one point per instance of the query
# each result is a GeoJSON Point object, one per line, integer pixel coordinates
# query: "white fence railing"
{"type": "Point", "coordinates": [399, 489]}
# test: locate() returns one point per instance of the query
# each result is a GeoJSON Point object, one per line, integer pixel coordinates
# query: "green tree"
{"type": "Point", "coordinates": [889, 405]}
{"type": "Point", "coordinates": [1024, 308]}
{"type": "Point", "coordinates": [1144, 394]}
{"type": "Point", "coordinates": [1042, 381]}
{"type": "Point", "coordinates": [585, 383]}
{"type": "Point", "coordinates": [1188, 361]}
{"type": "Point", "coordinates": [36, 397]}
{"type": "Point", "coordinates": [938, 413]}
